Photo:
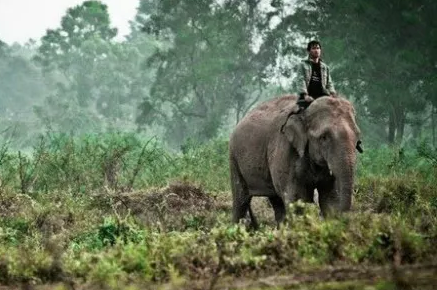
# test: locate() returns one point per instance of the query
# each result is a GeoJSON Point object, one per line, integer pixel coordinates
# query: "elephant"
{"type": "Point", "coordinates": [284, 154]}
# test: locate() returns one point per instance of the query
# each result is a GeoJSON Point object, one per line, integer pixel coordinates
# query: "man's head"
{"type": "Point", "coordinates": [314, 49]}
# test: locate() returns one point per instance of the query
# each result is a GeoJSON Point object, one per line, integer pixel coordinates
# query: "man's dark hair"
{"type": "Point", "coordinates": [313, 43]}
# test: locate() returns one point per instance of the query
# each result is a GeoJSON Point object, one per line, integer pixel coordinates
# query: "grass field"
{"type": "Point", "coordinates": [117, 212]}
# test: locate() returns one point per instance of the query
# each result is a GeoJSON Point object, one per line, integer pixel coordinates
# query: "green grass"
{"type": "Point", "coordinates": [107, 211]}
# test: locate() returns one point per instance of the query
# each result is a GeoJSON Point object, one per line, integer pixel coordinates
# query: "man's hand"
{"type": "Point", "coordinates": [308, 98]}
{"type": "Point", "coordinates": [334, 95]}
{"type": "Point", "coordinates": [296, 109]}
{"type": "Point", "coordinates": [304, 101]}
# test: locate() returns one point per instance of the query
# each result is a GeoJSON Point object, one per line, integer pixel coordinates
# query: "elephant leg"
{"type": "Point", "coordinates": [328, 198]}
{"type": "Point", "coordinates": [241, 200]}
{"type": "Point", "coordinates": [299, 191]}
{"type": "Point", "coordinates": [241, 208]}
{"type": "Point", "coordinates": [306, 194]}
{"type": "Point", "coordinates": [254, 223]}
{"type": "Point", "coordinates": [241, 197]}
{"type": "Point", "coordinates": [279, 208]}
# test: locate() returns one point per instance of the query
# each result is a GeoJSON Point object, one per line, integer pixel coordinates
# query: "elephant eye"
{"type": "Point", "coordinates": [324, 136]}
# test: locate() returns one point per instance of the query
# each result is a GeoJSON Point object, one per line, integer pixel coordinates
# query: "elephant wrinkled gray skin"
{"type": "Point", "coordinates": [284, 155]}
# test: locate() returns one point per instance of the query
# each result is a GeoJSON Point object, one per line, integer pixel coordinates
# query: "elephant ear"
{"type": "Point", "coordinates": [295, 132]}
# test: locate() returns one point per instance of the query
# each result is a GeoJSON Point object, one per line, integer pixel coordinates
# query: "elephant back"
{"type": "Point", "coordinates": [261, 124]}
{"type": "Point", "coordinates": [266, 113]}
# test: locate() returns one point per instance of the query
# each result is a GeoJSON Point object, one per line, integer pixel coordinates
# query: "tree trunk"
{"type": "Point", "coordinates": [400, 126]}
{"type": "Point", "coordinates": [391, 128]}
{"type": "Point", "coordinates": [433, 112]}
{"type": "Point", "coordinates": [417, 131]}
{"type": "Point", "coordinates": [396, 125]}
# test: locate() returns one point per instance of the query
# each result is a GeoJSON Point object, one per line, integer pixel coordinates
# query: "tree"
{"type": "Point", "coordinates": [207, 67]}
{"type": "Point", "coordinates": [21, 87]}
{"type": "Point", "coordinates": [378, 52]}
{"type": "Point", "coordinates": [83, 22]}
{"type": "Point", "coordinates": [97, 81]}
{"type": "Point", "coordinates": [62, 51]}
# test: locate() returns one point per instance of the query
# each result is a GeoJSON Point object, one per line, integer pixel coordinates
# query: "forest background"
{"type": "Point", "coordinates": [191, 70]}
{"type": "Point", "coordinates": [114, 169]}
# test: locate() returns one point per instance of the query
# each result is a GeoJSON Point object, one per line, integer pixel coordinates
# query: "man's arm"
{"type": "Point", "coordinates": [329, 83]}
{"type": "Point", "coordinates": [301, 83]}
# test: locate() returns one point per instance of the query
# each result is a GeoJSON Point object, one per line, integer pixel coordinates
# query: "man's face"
{"type": "Point", "coordinates": [315, 51]}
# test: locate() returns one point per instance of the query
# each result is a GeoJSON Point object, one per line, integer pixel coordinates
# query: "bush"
{"type": "Point", "coordinates": [112, 210]}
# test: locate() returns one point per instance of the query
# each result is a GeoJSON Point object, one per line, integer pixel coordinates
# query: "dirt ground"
{"type": "Point", "coordinates": [407, 277]}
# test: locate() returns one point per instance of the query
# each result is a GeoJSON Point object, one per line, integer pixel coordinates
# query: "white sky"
{"type": "Point", "coordinates": [21, 20]}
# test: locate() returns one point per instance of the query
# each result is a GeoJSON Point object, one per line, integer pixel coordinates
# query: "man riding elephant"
{"type": "Point", "coordinates": [314, 77]}
{"type": "Point", "coordinates": [284, 155]}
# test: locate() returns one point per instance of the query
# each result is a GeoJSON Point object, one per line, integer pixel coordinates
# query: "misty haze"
{"type": "Point", "coordinates": [130, 153]}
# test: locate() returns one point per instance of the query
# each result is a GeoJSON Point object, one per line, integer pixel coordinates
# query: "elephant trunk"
{"type": "Point", "coordinates": [345, 185]}
{"type": "Point", "coordinates": [344, 173]}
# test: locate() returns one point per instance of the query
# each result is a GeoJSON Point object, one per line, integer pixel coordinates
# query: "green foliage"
{"type": "Point", "coordinates": [364, 41]}
{"type": "Point", "coordinates": [94, 83]}
{"type": "Point", "coordinates": [13, 231]}
{"type": "Point", "coordinates": [109, 209]}
{"type": "Point", "coordinates": [21, 87]}
{"type": "Point", "coordinates": [71, 162]}
{"type": "Point", "coordinates": [207, 163]}
{"type": "Point", "coordinates": [182, 233]}
{"type": "Point", "coordinates": [397, 161]}
{"type": "Point", "coordinates": [425, 151]}
{"type": "Point", "coordinates": [192, 69]}
{"type": "Point", "coordinates": [81, 23]}
{"type": "Point", "coordinates": [207, 70]}
{"type": "Point", "coordinates": [120, 162]}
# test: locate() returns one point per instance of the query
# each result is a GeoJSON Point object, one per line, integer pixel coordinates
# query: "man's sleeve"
{"type": "Point", "coordinates": [301, 83]}
{"type": "Point", "coordinates": [329, 83]}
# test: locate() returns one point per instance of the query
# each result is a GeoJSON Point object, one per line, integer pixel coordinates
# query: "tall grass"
{"type": "Point", "coordinates": [107, 211]}
{"type": "Point", "coordinates": [121, 162]}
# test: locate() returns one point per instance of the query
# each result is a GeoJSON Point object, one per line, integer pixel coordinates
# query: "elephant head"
{"type": "Point", "coordinates": [326, 136]}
